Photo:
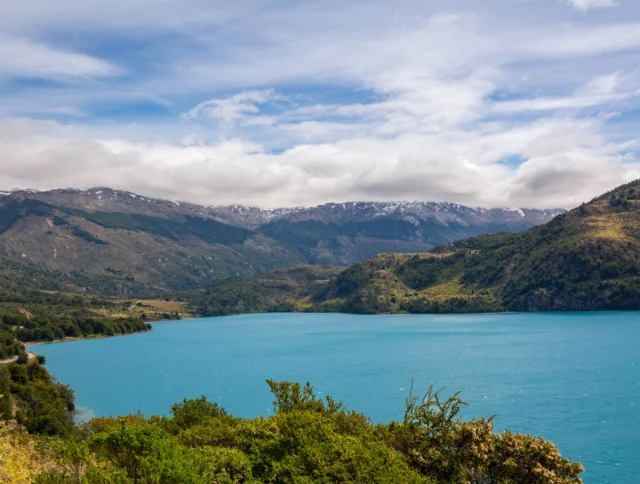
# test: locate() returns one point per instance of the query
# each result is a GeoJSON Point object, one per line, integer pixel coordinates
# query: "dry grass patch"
{"type": "Point", "coordinates": [445, 290]}
{"type": "Point", "coordinates": [20, 458]}
{"type": "Point", "coordinates": [607, 227]}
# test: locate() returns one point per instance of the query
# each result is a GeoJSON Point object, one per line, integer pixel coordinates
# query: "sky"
{"type": "Point", "coordinates": [499, 103]}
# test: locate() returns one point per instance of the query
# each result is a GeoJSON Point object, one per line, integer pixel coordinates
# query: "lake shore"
{"type": "Point", "coordinates": [30, 354]}
{"type": "Point", "coordinates": [71, 339]}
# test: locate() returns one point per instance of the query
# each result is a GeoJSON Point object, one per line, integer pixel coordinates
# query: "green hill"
{"type": "Point", "coordinates": [585, 259]}
{"type": "Point", "coordinates": [284, 290]}
{"type": "Point", "coordinates": [119, 253]}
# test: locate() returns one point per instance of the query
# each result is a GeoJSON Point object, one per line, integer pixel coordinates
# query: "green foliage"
{"type": "Point", "coordinates": [351, 280]}
{"type": "Point", "coordinates": [291, 396]}
{"type": "Point", "coordinates": [190, 413]}
{"type": "Point", "coordinates": [283, 290]}
{"type": "Point", "coordinates": [442, 446]}
{"type": "Point", "coordinates": [34, 316]}
{"type": "Point", "coordinates": [477, 304]}
{"type": "Point", "coordinates": [54, 328]}
{"type": "Point", "coordinates": [44, 406]}
{"type": "Point", "coordinates": [89, 237]}
{"type": "Point", "coordinates": [9, 347]}
{"type": "Point", "coordinates": [307, 440]}
{"type": "Point", "coordinates": [6, 407]}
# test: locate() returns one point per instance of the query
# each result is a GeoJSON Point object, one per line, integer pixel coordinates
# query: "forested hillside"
{"type": "Point", "coordinates": [585, 259]}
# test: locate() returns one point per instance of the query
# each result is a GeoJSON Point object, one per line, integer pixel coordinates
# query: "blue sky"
{"type": "Point", "coordinates": [530, 103]}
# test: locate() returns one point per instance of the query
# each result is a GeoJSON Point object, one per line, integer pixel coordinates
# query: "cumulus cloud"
{"type": "Point", "coordinates": [296, 106]}
{"type": "Point", "coordinates": [427, 167]}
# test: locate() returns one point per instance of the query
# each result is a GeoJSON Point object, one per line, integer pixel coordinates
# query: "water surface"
{"type": "Point", "coordinates": [571, 377]}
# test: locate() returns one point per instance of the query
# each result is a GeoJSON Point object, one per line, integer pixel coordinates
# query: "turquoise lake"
{"type": "Point", "coordinates": [573, 378]}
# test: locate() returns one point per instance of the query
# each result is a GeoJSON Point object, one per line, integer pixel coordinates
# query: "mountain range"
{"type": "Point", "coordinates": [114, 242]}
{"type": "Point", "coordinates": [584, 259]}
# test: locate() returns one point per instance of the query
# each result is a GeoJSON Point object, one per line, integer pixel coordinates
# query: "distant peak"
{"type": "Point", "coordinates": [371, 208]}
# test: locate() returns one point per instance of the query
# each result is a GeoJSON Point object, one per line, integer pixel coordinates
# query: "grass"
{"type": "Point", "coordinates": [445, 290]}
{"type": "Point", "coordinates": [155, 309]}
{"type": "Point", "coordinates": [607, 227]}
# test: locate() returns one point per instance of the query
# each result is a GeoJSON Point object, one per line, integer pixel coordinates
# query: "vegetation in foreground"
{"type": "Point", "coordinates": [585, 259]}
{"type": "Point", "coordinates": [307, 440]}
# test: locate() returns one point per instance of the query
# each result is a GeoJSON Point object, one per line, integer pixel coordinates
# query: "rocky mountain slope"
{"type": "Point", "coordinates": [585, 259]}
{"type": "Point", "coordinates": [116, 242]}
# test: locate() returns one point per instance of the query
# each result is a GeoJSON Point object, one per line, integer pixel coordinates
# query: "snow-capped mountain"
{"type": "Point", "coordinates": [111, 200]}
{"type": "Point", "coordinates": [107, 234]}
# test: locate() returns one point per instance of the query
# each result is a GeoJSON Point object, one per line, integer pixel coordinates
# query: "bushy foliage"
{"type": "Point", "coordinates": [43, 405]}
{"type": "Point", "coordinates": [283, 290]}
{"type": "Point", "coordinates": [88, 236]}
{"type": "Point", "coordinates": [306, 440]}
{"type": "Point", "coordinates": [442, 446]}
{"type": "Point", "coordinates": [9, 347]}
{"type": "Point", "coordinates": [22, 457]}
{"type": "Point", "coordinates": [31, 316]}
{"type": "Point", "coordinates": [55, 328]}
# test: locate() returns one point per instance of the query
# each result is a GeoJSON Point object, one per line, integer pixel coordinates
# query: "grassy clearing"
{"type": "Point", "coordinates": [607, 227]}
{"type": "Point", "coordinates": [445, 290]}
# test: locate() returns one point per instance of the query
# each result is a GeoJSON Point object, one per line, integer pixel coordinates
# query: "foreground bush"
{"type": "Point", "coordinates": [308, 440]}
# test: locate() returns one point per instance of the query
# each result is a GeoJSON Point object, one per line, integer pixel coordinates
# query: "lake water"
{"type": "Point", "coordinates": [573, 378]}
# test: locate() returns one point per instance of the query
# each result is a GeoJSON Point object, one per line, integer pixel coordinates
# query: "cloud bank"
{"type": "Point", "coordinates": [276, 105]}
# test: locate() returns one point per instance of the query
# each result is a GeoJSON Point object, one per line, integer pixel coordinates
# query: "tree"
{"type": "Point", "coordinates": [193, 412]}
{"type": "Point", "coordinates": [6, 409]}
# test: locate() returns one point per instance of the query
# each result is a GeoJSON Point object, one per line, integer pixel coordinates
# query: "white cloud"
{"type": "Point", "coordinates": [457, 166]}
{"type": "Point", "coordinates": [585, 5]}
{"type": "Point", "coordinates": [566, 41]}
{"type": "Point", "coordinates": [303, 103]}
{"type": "Point", "coordinates": [605, 89]}
{"type": "Point", "coordinates": [23, 58]}
{"type": "Point", "coordinates": [231, 109]}
{"type": "Point", "coordinates": [551, 104]}
{"type": "Point", "coordinates": [602, 85]}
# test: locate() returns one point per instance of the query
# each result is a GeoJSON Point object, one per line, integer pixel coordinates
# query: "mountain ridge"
{"type": "Point", "coordinates": [585, 259]}
{"type": "Point", "coordinates": [332, 210]}
{"type": "Point", "coordinates": [116, 242]}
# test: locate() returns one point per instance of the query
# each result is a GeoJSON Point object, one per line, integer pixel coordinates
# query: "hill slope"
{"type": "Point", "coordinates": [585, 259]}
{"type": "Point", "coordinates": [118, 243]}
{"type": "Point", "coordinates": [123, 253]}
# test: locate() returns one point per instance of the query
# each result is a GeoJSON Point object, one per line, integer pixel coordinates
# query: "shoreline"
{"type": "Point", "coordinates": [194, 318]}
{"type": "Point", "coordinates": [72, 339]}
{"type": "Point", "coordinates": [31, 355]}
